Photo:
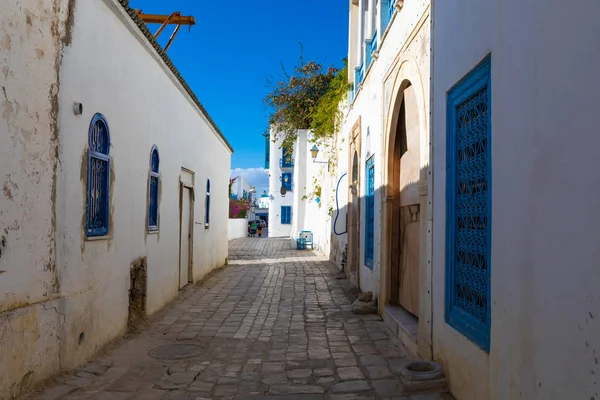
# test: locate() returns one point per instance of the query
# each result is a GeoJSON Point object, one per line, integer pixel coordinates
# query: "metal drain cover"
{"type": "Point", "coordinates": [176, 351]}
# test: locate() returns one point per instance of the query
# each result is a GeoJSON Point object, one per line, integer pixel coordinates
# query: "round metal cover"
{"type": "Point", "coordinates": [283, 191]}
{"type": "Point", "coordinates": [176, 351]}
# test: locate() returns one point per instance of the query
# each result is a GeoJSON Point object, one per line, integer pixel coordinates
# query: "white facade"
{"type": "Point", "coordinates": [545, 329]}
{"type": "Point", "coordinates": [56, 282]}
{"type": "Point", "coordinates": [240, 187]}
{"type": "Point", "coordinates": [306, 213]}
{"type": "Point", "coordinates": [389, 67]}
{"type": "Point", "coordinates": [237, 228]}
{"type": "Point", "coordinates": [276, 228]}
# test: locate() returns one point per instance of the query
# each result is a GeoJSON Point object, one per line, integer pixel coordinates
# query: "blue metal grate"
{"type": "Point", "coordinates": [370, 213]}
{"type": "Point", "coordinates": [98, 183]}
{"type": "Point", "coordinates": [286, 215]}
{"type": "Point", "coordinates": [469, 206]}
{"type": "Point", "coordinates": [207, 215]}
{"type": "Point", "coordinates": [153, 192]}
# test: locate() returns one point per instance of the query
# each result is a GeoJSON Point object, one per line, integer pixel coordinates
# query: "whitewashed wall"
{"type": "Point", "coordinates": [545, 332]}
{"type": "Point", "coordinates": [403, 53]}
{"type": "Point", "coordinates": [276, 228]}
{"type": "Point", "coordinates": [237, 228]}
{"type": "Point", "coordinates": [32, 35]}
{"type": "Point", "coordinates": [54, 282]}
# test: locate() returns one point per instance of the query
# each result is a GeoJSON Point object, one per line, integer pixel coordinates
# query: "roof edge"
{"type": "Point", "coordinates": [144, 29]}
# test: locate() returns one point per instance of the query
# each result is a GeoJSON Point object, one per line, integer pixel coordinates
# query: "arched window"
{"type": "Point", "coordinates": [153, 190]}
{"type": "Point", "coordinates": [98, 179]}
{"type": "Point", "coordinates": [207, 217]}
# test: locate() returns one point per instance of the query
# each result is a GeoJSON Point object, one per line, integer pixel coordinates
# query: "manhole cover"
{"type": "Point", "coordinates": [176, 351]}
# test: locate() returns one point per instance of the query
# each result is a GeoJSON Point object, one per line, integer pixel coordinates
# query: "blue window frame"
{"type": "Point", "coordinates": [98, 179]}
{"type": "Point", "coordinates": [370, 213]}
{"type": "Point", "coordinates": [469, 205]}
{"type": "Point", "coordinates": [286, 215]}
{"type": "Point", "coordinates": [388, 8]}
{"type": "Point", "coordinates": [286, 181]}
{"type": "Point", "coordinates": [287, 158]}
{"type": "Point", "coordinates": [153, 183]}
{"type": "Point", "coordinates": [207, 205]}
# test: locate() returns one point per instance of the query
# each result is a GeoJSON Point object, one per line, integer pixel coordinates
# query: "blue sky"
{"type": "Point", "coordinates": [235, 45]}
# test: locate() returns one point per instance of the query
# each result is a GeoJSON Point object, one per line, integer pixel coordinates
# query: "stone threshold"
{"type": "Point", "coordinates": [403, 325]}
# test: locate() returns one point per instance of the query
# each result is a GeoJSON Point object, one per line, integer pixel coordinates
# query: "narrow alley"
{"type": "Point", "coordinates": [274, 323]}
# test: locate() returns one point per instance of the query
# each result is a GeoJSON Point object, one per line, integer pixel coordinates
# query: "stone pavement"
{"type": "Point", "coordinates": [276, 323]}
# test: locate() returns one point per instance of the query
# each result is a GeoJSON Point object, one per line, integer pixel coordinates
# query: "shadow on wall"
{"type": "Point", "coordinates": [404, 228]}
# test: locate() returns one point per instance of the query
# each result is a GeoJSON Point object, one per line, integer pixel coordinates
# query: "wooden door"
{"type": "Point", "coordinates": [185, 239]}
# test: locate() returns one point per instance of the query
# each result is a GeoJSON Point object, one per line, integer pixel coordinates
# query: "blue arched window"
{"type": "Point", "coordinates": [98, 179]}
{"type": "Point", "coordinates": [207, 217]}
{"type": "Point", "coordinates": [153, 190]}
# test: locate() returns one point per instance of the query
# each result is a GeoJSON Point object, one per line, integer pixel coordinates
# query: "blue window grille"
{"type": "Point", "coordinates": [286, 215]}
{"type": "Point", "coordinates": [267, 151]}
{"type": "Point", "coordinates": [153, 191]}
{"type": "Point", "coordinates": [371, 45]}
{"type": "Point", "coordinates": [388, 8]}
{"type": "Point", "coordinates": [287, 159]}
{"type": "Point", "coordinates": [98, 179]}
{"type": "Point", "coordinates": [468, 206]}
{"type": "Point", "coordinates": [359, 74]}
{"type": "Point", "coordinates": [207, 206]}
{"type": "Point", "coordinates": [370, 213]}
{"type": "Point", "coordinates": [286, 181]}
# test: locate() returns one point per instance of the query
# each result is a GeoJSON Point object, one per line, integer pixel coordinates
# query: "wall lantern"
{"type": "Point", "coordinates": [314, 153]}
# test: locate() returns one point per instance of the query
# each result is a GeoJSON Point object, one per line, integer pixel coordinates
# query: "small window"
{"type": "Point", "coordinates": [153, 190]}
{"type": "Point", "coordinates": [286, 215]}
{"type": "Point", "coordinates": [207, 217]}
{"type": "Point", "coordinates": [370, 213]}
{"type": "Point", "coordinates": [286, 181]}
{"type": "Point", "coordinates": [98, 179]}
{"type": "Point", "coordinates": [468, 205]}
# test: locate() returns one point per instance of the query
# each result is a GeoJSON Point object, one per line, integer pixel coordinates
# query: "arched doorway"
{"type": "Point", "coordinates": [403, 163]}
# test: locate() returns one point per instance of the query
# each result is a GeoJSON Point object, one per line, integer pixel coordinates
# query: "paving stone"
{"type": "Point", "coordinates": [372, 359]}
{"type": "Point", "coordinates": [199, 386]}
{"type": "Point", "coordinates": [323, 372]}
{"type": "Point", "coordinates": [271, 326]}
{"type": "Point", "coordinates": [350, 373]}
{"type": "Point", "coordinates": [378, 372]}
{"type": "Point", "coordinates": [296, 389]}
{"type": "Point", "coordinates": [299, 373]}
{"type": "Point", "coordinates": [351, 386]}
{"type": "Point", "coordinates": [225, 390]}
{"type": "Point", "coordinates": [387, 387]}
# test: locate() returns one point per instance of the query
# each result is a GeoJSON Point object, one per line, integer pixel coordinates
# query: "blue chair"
{"type": "Point", "coordinates": [308, 238]}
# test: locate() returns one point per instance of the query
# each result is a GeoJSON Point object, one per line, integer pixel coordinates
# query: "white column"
{"type": "Point", "coordinates": [361, 39]}
{"type": "Point", "coordinates": [371, 26]}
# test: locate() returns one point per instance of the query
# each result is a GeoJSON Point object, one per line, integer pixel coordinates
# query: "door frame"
{"type": "Point", "coordinates": [353, 213]}
{"type": "Point", "coordinates": [186, 180]}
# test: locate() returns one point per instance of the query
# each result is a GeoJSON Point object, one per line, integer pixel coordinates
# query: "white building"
{"type": "Point", "coordinates": [518, 318]}
{"type": "Point", "coordinates": [383, 164]}
{"type": "Point", "coordinates": [102, 147]}
{"type": "Point", "coordinates": [240, 188]}
{"type": "Point", "coordinates": [297, 210]}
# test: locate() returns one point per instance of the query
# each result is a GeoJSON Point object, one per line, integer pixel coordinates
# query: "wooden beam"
{"type": "Point", "coordinates": [175, 18]}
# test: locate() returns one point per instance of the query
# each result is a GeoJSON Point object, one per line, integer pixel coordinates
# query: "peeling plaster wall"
{"type": "Point", "coordinates": [545, 319]}
{"type": "Point", "coordinates": [144, 106]}
{"type": "Point", "coordinates": [32, 35]}
{"type": "Point", "coordinates": [54, 284]}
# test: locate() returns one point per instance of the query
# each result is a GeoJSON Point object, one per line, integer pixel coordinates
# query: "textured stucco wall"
{"type": "Point", "coordinates": [545, 329]}
{"type": "Point", "coordinates": [31, 38]}
{"type": "Point", "coordinates": [55, 284]}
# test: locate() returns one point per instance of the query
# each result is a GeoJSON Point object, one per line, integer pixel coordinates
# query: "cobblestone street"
{"type": "Point", "coordinates": [275, 323]}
